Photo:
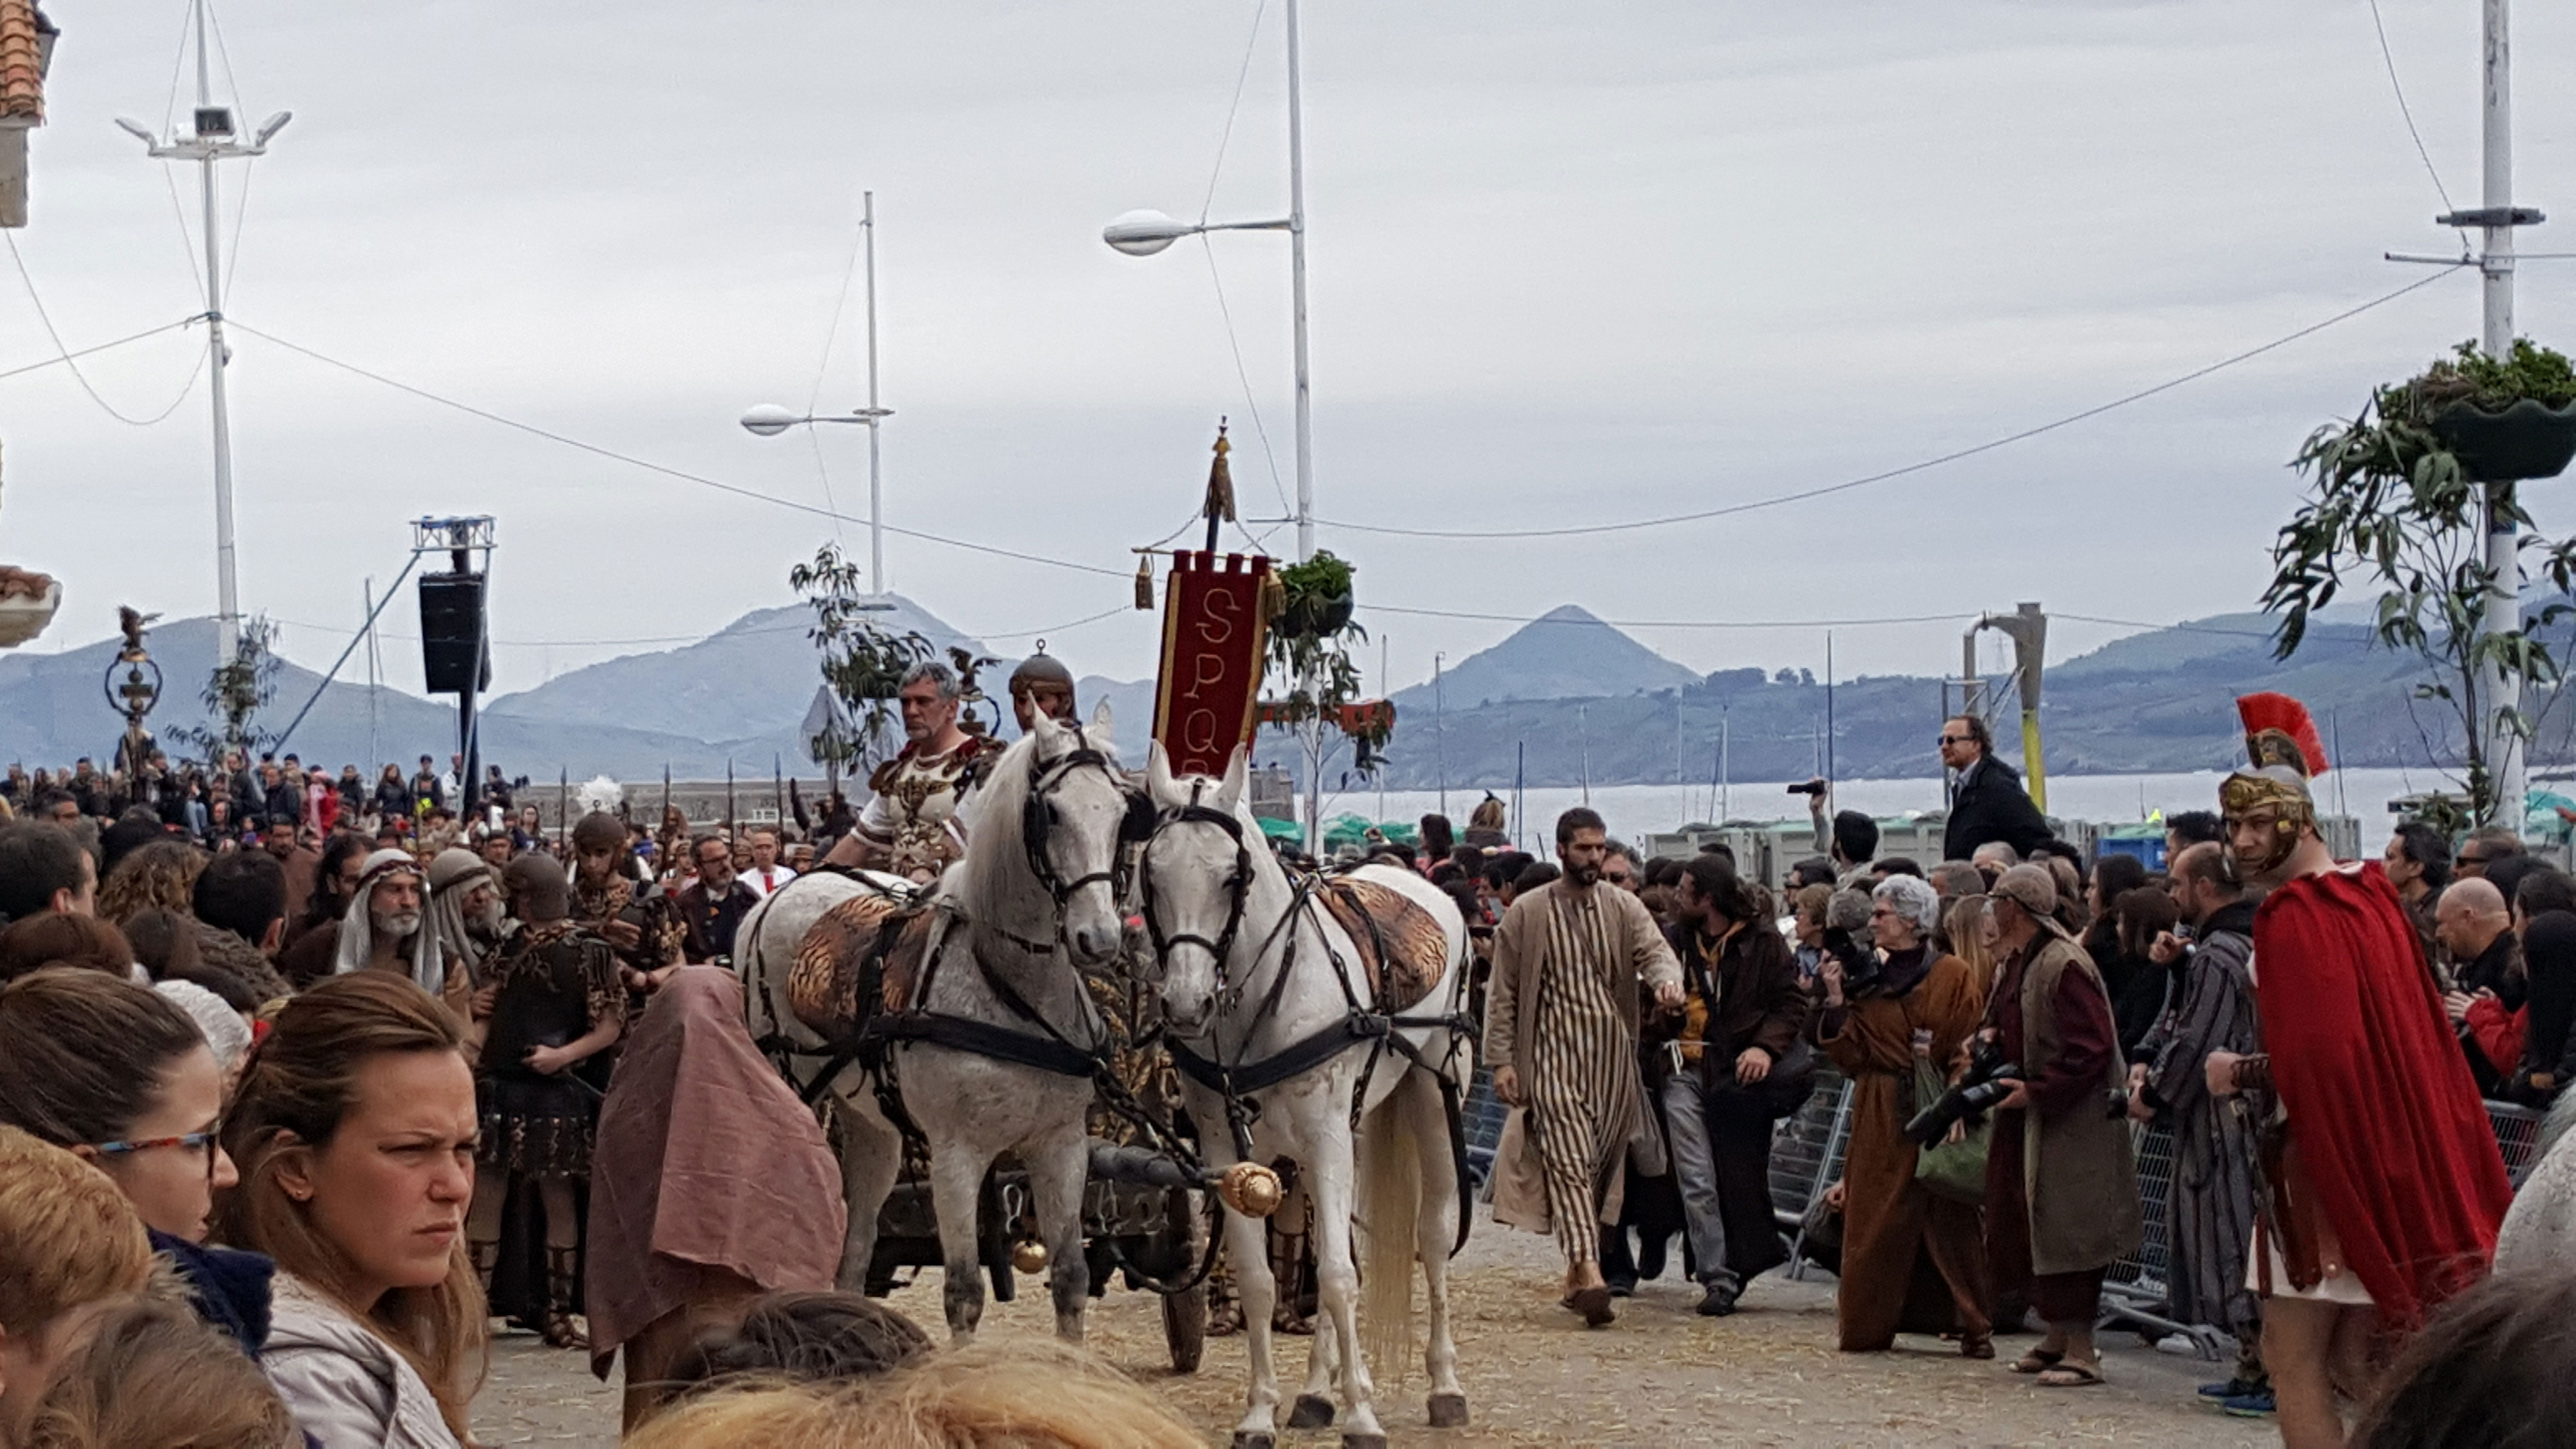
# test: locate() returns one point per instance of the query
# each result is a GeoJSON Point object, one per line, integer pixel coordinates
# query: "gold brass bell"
{"type": "Point", "coordinates": [1251, 1189]}
{"type": "Point", "coordinates": [1029, 1256]}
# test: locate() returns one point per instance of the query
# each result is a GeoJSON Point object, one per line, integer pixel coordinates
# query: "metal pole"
{"type": "Point", "coordinates": [1305, 418]}
{"type": "Point", "coordinates": [2503, 609]}
{"type": "Point", "coordinates": [227, 590]}
{"type": "Point", "coordinates": [1440, 732]}
{"type": "Point", "coordinates": [876, 490]}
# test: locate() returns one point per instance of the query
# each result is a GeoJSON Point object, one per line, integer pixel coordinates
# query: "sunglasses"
{"type": "Point", "coordinates": [1955, 739]}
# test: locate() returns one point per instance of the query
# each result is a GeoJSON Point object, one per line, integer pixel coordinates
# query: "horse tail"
{"type": "Point", "coordinates": [1390, 1211]}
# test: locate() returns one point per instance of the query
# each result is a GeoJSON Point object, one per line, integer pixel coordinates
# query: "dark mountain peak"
{"type": "Point", "coordinates": [1566, 653]}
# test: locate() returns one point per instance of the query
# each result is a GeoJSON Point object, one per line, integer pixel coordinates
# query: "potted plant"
{"type": "Point", "coordinates": [1318, 603]}
{"type": "Point", "coordinates": [2505, 418]}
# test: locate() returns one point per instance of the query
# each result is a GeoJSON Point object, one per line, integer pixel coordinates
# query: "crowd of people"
{"type": "Point", "coordinates": [297, 1104]}
{"type": "Point", "coordinates": [290, 1118]}
{"type": "Point", "coordinates": [2335, 1179]}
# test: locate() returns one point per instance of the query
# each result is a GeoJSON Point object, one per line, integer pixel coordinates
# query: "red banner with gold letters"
{"type": "Point", "coordinates": [1206, 700]}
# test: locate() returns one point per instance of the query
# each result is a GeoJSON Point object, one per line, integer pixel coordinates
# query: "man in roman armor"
{"type": "Point", "coordinates": [916, 826]}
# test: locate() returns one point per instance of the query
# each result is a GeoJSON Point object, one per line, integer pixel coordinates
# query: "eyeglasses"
{"type": "Point", "coordinates": [1956, 739]}
{"type": "Point", "coordinates": [193, 1141]}
{"type": "Point", "coordinates": [2472, 860]}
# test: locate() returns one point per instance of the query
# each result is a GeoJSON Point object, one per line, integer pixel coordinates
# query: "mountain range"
{"type": "Point", "coordinates": [1565, 698]}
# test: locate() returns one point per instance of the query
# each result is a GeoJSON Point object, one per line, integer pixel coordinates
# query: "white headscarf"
{"type": "Point", "coordinates": [358, 926]}
{"type": "Point", "coordinates": [227, 1035]}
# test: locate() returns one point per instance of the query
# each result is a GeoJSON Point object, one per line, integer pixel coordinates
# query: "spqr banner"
{"type": "Point", "coordinates": [1213, 641]}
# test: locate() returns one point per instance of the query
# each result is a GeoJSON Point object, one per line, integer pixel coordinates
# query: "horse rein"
{"type": "Point", "coordinates": [1037, 826]}
{"type": "Point", "coordinates": [1238, 885]}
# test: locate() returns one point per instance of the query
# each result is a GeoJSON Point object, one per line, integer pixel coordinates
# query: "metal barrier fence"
{"type": "Point", "coordinates": [1807, 1157]}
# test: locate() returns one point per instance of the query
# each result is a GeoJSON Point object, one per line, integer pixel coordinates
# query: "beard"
{"type": "Point", "coordinates": [396, 925]}
{"type": "Point", "coordinates": [487, 925]}
{"type": "Point", "coordinates": [1583, 875]}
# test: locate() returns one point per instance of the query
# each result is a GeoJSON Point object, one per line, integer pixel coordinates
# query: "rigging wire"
{"type": "Point", "coordinates": [65, 355]}
{"type": "Point", "coordinates": [823, 367]}
{"type": "Point", "coordinates": [1589, 621]}
{"type": "Point", "coordinates": [2388, 57]}
{"type": "Point", "coordinates": [1234, 107]}
{"type": "Point", "coordinates": [1260, 429]}
{"type": "Point", "coordinates": [241, 203]}
{"type": "Point", "coordinates": [649, 466]}
{"type": "Point", "coordinates": [1922, 465]}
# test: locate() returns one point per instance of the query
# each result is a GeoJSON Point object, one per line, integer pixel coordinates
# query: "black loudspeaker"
{"type": "Point", "coordinates": [451, 620]}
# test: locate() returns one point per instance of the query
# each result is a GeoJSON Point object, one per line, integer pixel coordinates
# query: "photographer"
{"type": "Point", "coordinates": [1848, 837]}
{"type": "Point", "coordinates": [2061, 1184]}
{"type": "Point", "coordinates": [1879, 1018]}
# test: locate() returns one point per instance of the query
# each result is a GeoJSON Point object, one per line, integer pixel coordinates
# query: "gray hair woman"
{"type": "Point", "coordinates": [1882, 1015]}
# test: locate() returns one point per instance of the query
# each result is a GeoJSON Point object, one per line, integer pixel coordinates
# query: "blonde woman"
{"type": "Point", "coordinates": [355, 1133]}
{"type": "Point", "coordinates": [1972, 940]}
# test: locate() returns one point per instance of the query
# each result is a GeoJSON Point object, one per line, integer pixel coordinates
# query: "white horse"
{"type": "Point", "coordinates": [1020, 915]}
{"type": "Point", "coordinates": [1255, 976]}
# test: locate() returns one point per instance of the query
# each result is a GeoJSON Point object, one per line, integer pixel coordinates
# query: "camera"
{"type": "Point", "coordinates": [1860, 963]}
{"type": "Point", "coordinates": [1969, 1098]}
{"type": "Point", "coordinates": [1811, 788]}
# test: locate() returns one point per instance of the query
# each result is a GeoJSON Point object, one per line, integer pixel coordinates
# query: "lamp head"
{"type": "Point", "coordinates": [271, 127]}
{"type": "Point", "coordinates": [1143, 233]}
{"type": "Point", "coordinates": [768, 420]}
{"type": "Point", "coordinates": [137, 131]}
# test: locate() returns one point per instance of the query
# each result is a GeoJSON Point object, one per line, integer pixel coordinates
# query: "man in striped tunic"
{"type": "Point", "coordinates": [1561, 1036]}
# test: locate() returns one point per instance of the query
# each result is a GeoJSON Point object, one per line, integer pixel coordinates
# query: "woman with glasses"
{"type": "Point", "coordinates": [1885, 1012]}
{"type": "Point", "coordinates": [123, 1078]}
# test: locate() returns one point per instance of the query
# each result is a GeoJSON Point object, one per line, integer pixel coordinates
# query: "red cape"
{"type": "Point", "coordinates": [2387, 1120]}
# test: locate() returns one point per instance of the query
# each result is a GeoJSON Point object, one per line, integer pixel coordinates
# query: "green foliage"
{"type": "Point", "coordinates": [1316, 671]}
{"type": "Point", "coordinates": [863, 662]}
{"type": "Point", "coordinates": [2391, 509]}
{"type": "Point", "coordinates": [236, 690]}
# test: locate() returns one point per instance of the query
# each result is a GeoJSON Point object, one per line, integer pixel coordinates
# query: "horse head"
{"type": "Point", "coordinates": [1196, 872]}
{"type": "Point", "coordinates": [1074, 814]}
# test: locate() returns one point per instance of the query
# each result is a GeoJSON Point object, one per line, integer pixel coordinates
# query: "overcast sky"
{"type": "Point", "coordinates": [1571, 263]}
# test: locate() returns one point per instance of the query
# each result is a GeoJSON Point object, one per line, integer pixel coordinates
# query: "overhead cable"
{"type": "Point", "coordinates": [1924, 465]}
{"type": "Point", "coordinates": [666, 471]}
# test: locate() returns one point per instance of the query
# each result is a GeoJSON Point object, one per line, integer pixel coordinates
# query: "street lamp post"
{"type": "Point", "coordinates": [211, 140]}
{"type": "Point", "coordinates": [1143, 233]}
{"type": "Point", "coordinates": [768, 420]}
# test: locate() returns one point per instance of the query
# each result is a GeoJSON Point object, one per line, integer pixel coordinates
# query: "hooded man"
{"type": "Point", "coordinates": [383, 929]}
{"type": "Point", "coordinates": [2382, 1186]}
{"type": "Point", "coordinates": [465, 911]}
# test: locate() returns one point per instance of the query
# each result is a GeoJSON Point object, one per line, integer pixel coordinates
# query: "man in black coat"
{"type": "Point", "coordinates": [1988, 803]}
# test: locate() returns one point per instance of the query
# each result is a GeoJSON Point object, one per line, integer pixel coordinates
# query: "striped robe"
{"type": "Point", "coordinates": [2212, 1222]}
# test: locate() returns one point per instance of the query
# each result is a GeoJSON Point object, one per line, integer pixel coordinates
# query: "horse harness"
{"type": "Point", "coordinates": [1372, 1022]}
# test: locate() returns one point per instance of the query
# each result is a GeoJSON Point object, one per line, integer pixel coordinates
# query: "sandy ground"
{"type": "Point", "coordinates": [1534, 1376]}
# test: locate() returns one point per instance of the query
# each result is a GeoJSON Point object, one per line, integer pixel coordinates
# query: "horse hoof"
{"type": "Point", "coordinates": [1311, 1411]}
{"type": "Point", "coordinates": [1363, 1441]}
{"type": "Point", "coordinates": [1448, 1411]}
{"type": "Point", "coordinates": [1255, 1439]}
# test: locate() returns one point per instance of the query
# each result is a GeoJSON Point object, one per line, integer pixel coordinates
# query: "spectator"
{"type": "Point", "coordinates": [1880, 870]}
{"type": "Point", "coordinates": [69, 1247]}
{"type": "Point", "coordinates": [2418, 862]}
{"type": "Point", "coordinates": [1879, 1020]}
{"type": "Point", "coordinates": [1969, 929]}
{"type": "Point", "coordinates": [124, 1080]}
{"type": "Point", "coordinates": [2061, 1188]}
{"type": "Point", "coordinates": [714, 904]}
{"type": "Point", "coordinates": [1014, 1396]}
{"type": "Point", "coordinates": [1813, 871]}
{"type": "Point", "coordinates": [152, 1376]}
{"type": "Point", "coordinates": [2140, 916]}
{"type": "Point", "coordinates": [2490, 1370]}
{"type": "Point", "coordinates": [159, 876]}
{"type": "Point", "coordinates": [2476, 930]}
{"type": "Point", "coordinates": [55, 939]}
{"type": "Point", "coordinates": [44, 868]}
{"type": "Point", "coordinates": [710, 1184]}
{"type": "Point", "coordinates": [2545, 920]}
{"type": "Point", "coordinates": [1741, 1064]}
{"type": "Point", "coordinates": [2187, 828]}
{"type": "Point", "coordinates": [378, 1335]}
{"type": "Point", "coordinates": [808, 1337]}
{"type": "Point", "coordinates": [428, 791]}
{"type": "Point", "coordinates": [766, 874]}
{"type": "Point", "coordinates": [393, 797]}
{"type": "Point", "coordinates": [2212, 1222]}
{"type": "Point", "coordinates": [1439, 838]}
{"type": "Point", "coordinates": [1848, 838]}
{"type": "Point", "coordinates": [1987, 803]}
{"type": "Point", "coordinates": [241, 897]}
{"type": "Point", "coordinates": [2482, 848]}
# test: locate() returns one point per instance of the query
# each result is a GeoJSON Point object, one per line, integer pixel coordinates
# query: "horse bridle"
{"type": "Point", "coordinates": [1238, 884]}
{"type": "Point", "coordinates": [1037, 825]}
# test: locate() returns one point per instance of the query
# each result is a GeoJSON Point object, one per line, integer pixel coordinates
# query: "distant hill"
{"type": "Point", "coordinates": [1569, 694]}
{"type": "Point", "coordinates": [1566, 653]}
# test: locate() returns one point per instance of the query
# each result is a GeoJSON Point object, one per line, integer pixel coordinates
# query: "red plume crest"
{"type": "Point", "coordinates": [2270, 711]}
